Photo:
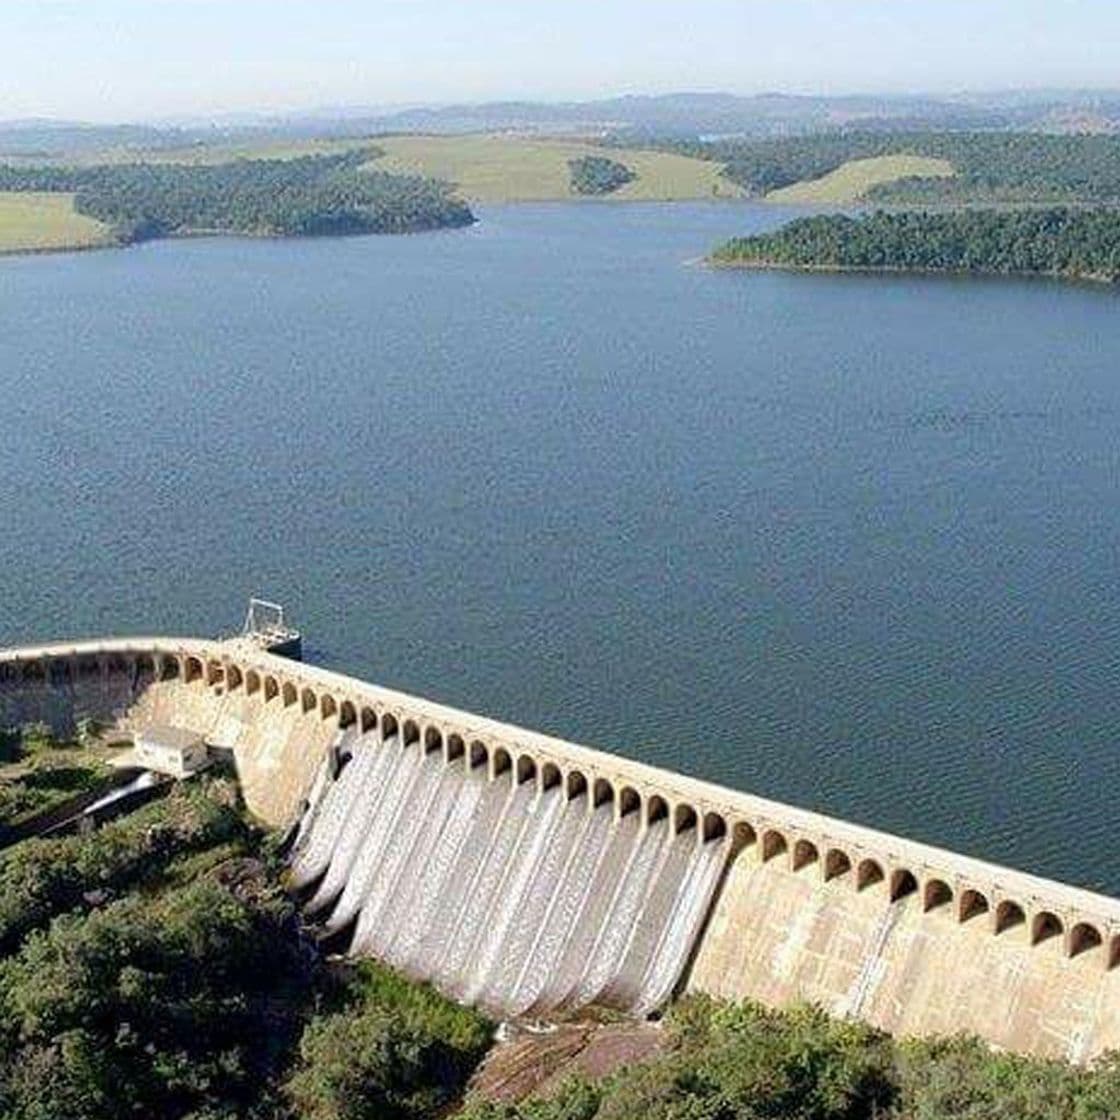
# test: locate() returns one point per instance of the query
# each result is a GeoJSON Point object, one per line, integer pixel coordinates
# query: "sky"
{"type": "Point", "coordinates": [116, 60]}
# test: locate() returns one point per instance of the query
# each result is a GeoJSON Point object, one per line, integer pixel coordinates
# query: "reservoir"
{"type": "Point", "coordinates": [850, 542]}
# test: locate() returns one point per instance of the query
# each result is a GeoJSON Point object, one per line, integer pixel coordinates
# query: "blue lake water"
{"type": "Point", "coordinates": [850, 542]}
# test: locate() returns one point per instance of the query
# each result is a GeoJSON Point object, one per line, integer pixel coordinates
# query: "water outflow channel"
{"type": "Point", "coordinates": [515, 899]}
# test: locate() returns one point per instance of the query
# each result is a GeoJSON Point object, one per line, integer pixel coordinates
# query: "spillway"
{"type": "Point", "coordinates": [507, 895]}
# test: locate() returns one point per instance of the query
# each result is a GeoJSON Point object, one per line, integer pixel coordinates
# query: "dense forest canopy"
{"type": "Point", "coordinates": [323, 194]}
{"type": "Point", "coordinates": [1063, 242]}
{"type": "Point", "coordinates": [598, 175]}
{"type": "Point", "coordinates": [995, 167]}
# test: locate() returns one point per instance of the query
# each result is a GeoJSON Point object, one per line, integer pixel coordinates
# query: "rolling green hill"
{"type": "Point", "coordinates": [494, 168]}
{"type": "Point", "coordinates": [995, 168]}
{"type": "Point", "coordinates": [302, 196]}
{"type": "Point", "coordinates": [39, 221]}
{"type": "Point", "coordinates": [853, 180]}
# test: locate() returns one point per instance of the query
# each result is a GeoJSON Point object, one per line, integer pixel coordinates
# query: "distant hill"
{"type": "Point", "coordinates": [768, 114]}
{"type": "Point", "coordinates": [675, 114]}
{"type": "Point", "coordinates": [35, 139]}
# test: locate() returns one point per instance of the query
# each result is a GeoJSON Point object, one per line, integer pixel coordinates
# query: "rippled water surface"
{"type": "Point", "coordinates": [846, 541]}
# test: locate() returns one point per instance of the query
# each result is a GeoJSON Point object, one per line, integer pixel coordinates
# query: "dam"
{"type": "Point", "coordinates": [532, 876]}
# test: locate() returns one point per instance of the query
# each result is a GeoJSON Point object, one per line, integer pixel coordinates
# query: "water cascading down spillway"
{"type": "Point", "coordinates": [519, 899]}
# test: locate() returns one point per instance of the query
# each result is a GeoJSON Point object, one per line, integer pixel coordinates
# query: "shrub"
{"type": "Point", "coordinates": [149, 1007]}
{"type": "Point", "coordinates": [395, 1051]}
{"type": "Point", "coordinates": [42, 878]}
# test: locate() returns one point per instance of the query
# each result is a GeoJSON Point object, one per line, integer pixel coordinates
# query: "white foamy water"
{"type": "Point", "coordinates": [392, 802]}
{"type": "Point", "coordinates": [517, 899]}
{"type": "Point", "coordinates": [322, 824]}
{"type": "Point", "coordinates": [368, 784]}
{"type": "Point", "coordinates": [436, 879]}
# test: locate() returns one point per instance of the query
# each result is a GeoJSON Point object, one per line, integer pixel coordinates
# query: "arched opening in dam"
{"type": "Point", "coordinates": [805, 854]}
{"type": "Point", "coordinates": [868, 874]}
{"type": "Point", "coordinates": [1046, 926]}
{"type": "Point", "coordinates": [1083, 938]}
{"type": "Point", "coordinates": [937, 895]}
{"type": "Point", "coordinates": [1010, 917]}
{"type": "Point", "coordinates": [836, 864]}
{"type": "Point", "coordinates": [903, 883]}
{"type": "Point", "coordinates": [973, 905]}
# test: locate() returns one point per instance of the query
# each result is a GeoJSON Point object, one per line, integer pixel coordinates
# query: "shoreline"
{"type": "Point", "coordinates": [47, 250]}
{"type": "Point", "coordinates": [230, 234]}
{"type": "Point", "coordinates": [764, 265]}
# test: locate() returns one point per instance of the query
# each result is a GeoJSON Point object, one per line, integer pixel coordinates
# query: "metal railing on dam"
{"type": "Point", "coordinates": [801, 905]}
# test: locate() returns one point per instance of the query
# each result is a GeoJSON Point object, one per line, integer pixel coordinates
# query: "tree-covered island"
{"type": "Point", "coordinates": [591, 175]}
{"type": "Point", "coordinates": [1068, 243]}
{"type": "Point", "coordinates": [302, 196]}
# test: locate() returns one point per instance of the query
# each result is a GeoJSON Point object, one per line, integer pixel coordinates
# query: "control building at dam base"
{"type": "Point", "coordinates": [531, 876]}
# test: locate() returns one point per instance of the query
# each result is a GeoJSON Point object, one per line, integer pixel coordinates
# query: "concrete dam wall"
{"type": "Point", "coordinates": [531, 875]}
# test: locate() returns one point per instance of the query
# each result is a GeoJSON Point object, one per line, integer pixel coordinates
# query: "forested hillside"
{"type": "Point", "coordinates": [992, 167]}
{"type": "Point", "coordinates": [1078, 244]}
{"type": "Point", "coordinates": [308, 195]}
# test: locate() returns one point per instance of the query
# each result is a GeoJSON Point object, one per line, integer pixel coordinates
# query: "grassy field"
{"type": "Point", "coordinates": [852, 180]}
{"type": "Point", "coordinates": [226, 153]}
{"type": "Point", "coordinates": [487, 168]}
{"type": "Point", "coordinates": [517, 169]}
{"type": "Point", "coordinates": [35, 222]}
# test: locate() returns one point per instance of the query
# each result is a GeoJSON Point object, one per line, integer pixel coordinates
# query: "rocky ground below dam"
{"type": "Point", "coordinates": [533, 1062]}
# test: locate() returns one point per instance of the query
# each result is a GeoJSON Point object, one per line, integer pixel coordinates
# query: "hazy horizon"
{"type": "Point", "coordinates": [110, 61]}
{"type": "Point", "coordinates": [264, 113]}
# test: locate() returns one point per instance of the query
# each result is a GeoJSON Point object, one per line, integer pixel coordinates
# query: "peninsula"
{"type": "Point", "coordinates": [1059, 242]}
{"type": "Point", "coordinates": [308, 195]}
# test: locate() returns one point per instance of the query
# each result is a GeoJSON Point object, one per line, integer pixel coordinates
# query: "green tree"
{"type": "Point", "coordinates": [598, 175]}
{"type": "Point", "coordinates": [150, 1007]}
{"type": "Point", "coordinates": [395, 1051]}
{"type": "Point", "coordinates": [42, 878]}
